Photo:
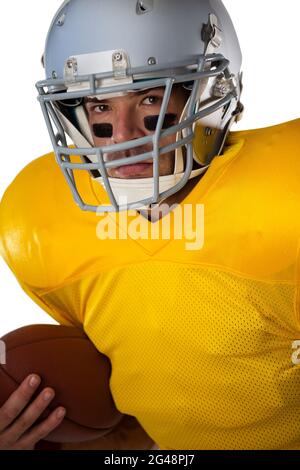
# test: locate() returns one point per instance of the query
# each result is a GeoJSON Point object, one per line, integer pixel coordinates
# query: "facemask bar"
{"type": "Point", "coordinates": [218, 66]}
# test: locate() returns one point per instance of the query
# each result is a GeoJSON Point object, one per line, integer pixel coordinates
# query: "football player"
{"type": "Point", "coordinates": [203, 337]}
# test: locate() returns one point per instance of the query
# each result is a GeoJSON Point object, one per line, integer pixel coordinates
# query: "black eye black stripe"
{"type": "Point", "coordinates": [150, 122]}
{"type": "Point", "coordinates": [105, 130]}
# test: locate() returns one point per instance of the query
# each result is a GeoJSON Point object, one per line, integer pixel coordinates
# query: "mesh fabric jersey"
{"type": "Point", "coordinates": [201, 341]}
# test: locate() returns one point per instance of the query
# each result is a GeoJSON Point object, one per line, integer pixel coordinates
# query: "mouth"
{"type": "Point", "coordinates": [135, 170]}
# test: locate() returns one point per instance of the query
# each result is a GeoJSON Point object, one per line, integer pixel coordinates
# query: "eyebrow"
{"type": "Point", "coordinates": [131, 95]}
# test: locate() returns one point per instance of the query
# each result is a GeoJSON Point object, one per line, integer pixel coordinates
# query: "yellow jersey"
{"type": "Point", "coordinates": [204, 343]}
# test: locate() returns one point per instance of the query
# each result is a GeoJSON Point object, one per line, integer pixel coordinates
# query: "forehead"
{"type": "Point", "coordinates": [127, 96]}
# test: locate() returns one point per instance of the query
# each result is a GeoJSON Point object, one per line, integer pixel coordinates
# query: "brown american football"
{"type": "Point", "coordinates": [67, 361]}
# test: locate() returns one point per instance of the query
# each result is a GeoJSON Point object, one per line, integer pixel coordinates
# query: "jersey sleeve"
{"type": "Point", "coordinates": [22, 221]}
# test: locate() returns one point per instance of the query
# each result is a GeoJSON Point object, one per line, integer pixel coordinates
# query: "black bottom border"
{"type": "Point", "coordinates": [139, 459]}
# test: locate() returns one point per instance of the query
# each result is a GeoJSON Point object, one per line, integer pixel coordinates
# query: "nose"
{"type": "Point", "coordinates": [126, 126]}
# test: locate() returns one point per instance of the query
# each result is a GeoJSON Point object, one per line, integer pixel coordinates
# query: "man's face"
{"type": "Point", "coordinates": [116, 120]}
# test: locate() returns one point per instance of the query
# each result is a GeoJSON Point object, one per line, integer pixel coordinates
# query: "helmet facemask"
{"type": "Point", "coordinates": [66, 117]}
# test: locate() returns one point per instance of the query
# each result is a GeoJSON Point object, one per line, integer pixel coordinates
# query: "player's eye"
{"type": "Point", "coordinates": [101, 108]}
{"type": "Point", "coordinates": [152, 100]}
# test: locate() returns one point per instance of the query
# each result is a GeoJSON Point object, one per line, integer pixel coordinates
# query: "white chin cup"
{"type": "Point", "coordinates": [130, 191]}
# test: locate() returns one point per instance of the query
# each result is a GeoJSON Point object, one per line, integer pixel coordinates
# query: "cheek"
{"type": "Point", "coordinates": [166, 163]}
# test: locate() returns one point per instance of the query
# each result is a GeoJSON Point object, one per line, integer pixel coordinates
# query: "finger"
{"type": "Point", "coordinates": [30, 415]}
{"type": "Point", "coordinates": [41, 431]}
{"type": "Point", "coordinates": [18, 400]}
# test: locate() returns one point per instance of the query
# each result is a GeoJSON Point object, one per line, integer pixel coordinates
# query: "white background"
{"type": "Point", "coordinates": [269, 35]}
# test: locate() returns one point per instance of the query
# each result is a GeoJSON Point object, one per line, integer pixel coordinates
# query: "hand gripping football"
{"type": "Point", "coordinates": [67, 361]}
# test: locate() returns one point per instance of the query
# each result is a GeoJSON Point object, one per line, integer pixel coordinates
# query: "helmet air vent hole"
{"type": "Point", "coordinates": [144, 6]}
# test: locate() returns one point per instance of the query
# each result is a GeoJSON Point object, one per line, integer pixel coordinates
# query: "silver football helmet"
{"type": "Point", "coordinates": [109, 48]}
